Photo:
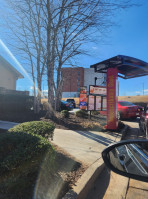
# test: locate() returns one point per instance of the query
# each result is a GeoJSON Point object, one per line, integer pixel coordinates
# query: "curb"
{"type": "Point", "coordinates": [124, 132]}
{"type": "Point", "coordinates": [86, 182]}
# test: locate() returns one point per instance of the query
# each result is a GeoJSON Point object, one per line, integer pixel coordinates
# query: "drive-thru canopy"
{"type": "Point", "coordinates": [119, 66]}
{"type": "Point", "coordinates": [128, 67]}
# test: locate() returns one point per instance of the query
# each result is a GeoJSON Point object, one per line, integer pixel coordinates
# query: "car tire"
{"type": "Point", "coordinates": [140, 126]}
{"type": "Point", "coordinates": [119, 116]}
{"type": "Point", "coordinates": [146, 132]}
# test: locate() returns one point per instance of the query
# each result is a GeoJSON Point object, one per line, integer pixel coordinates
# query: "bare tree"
{"type": "Point", "coordinates": [53, 33]}
{"type": "Point", "coordinates": [27, 30]}
{"type": "Point", "coordinates": [71, 23]}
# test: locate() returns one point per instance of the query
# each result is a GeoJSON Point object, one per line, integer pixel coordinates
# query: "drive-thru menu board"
{"type": "Point", "coordinates": [98, 103]}
{"type": "Point", "coordinates": [97, 90]}
{"type": "Point", "coordinates": [97, 98]}
{"type": "Point", "coordinates": [91, 103]}
{"type": "Point", "coordinates": [104, 108]}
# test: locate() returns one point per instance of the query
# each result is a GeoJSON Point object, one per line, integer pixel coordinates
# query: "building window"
{"type": "Point", "coordinates": [79, 73]}
{"type": "Point", "coordinates": [78, 89]}
{"type": "Point", "coordinates": [78, 83]}
{"type": "Point", "coordinates": [79, 78]}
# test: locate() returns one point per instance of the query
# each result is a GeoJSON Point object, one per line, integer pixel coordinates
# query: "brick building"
{"type": "Point", "coordinates": [74, 78]}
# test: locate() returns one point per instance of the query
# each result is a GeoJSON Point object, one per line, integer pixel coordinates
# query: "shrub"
{"type": "Point", "coordinates": [65, 114]}
{"type": "Point", "coordinates": [18, 148]}
{"type": "Point", "coordinates": [95, 112]}
{"type": "Point", "coordinates": [81, 113]}
{"type": "Point", "coordinates": [42, 128]}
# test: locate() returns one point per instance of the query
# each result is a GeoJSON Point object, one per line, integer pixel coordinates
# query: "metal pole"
{"type": "Point", "coordinates": [95, 80]}
{"type": "Point", "coordinates": [90, 115]}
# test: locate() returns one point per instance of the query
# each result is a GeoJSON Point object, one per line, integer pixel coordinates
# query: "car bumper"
{"type": "Point", "coordinates": [131, 114]}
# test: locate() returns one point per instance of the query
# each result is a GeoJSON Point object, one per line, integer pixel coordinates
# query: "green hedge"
{"type": "Point", "coordinates": [45, 129]}
{"type": "Point", "coordinates": [65, 114]}
{"type": "Point", "coordinates": [17, 148]}
{"type": "Point", "coordinates": [95, 112]}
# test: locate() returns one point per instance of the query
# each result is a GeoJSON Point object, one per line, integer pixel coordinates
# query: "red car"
{"type": "Point", "coordinates": [128, 110]}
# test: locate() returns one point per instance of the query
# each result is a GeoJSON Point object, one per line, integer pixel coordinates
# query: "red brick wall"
{"type": "Point", "coordinates": [73, 79]}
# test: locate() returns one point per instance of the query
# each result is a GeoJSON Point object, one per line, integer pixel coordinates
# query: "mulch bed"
{"type": "Point", "coordinates": [69, 170]}
{"type": "Point", "coordinates": [96, 122]}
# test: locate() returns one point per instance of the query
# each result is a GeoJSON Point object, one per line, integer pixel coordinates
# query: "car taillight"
{"type": "Point", "coordinates": [146, 116]}
{"type": "Point", "coordinates": [67, 104]}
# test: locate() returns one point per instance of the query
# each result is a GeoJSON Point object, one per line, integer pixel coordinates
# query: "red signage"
{"type": "Point", "coordinates": [83, 101]}
{"type": "Point", "coordinates": [97, 90]}
{"type": "Point", "coordinates": [83, 90]}
{"type": "Point", "coordinates": [112, 75]}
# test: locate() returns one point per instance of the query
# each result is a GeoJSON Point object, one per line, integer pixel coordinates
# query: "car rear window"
{"type": "Point", "coordinates": [70, 100]}
{"type": "Point", "coordinates": [63, 101]}
{"type": "Point", "coordinates": [126, 104]}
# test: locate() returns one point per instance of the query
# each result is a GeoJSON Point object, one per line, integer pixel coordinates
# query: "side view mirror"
{"type": "Point", "coordinates": [128, 158]}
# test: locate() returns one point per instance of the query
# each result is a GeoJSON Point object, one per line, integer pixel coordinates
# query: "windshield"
{"type": "Point", "coordinates": [70, 100]}
{"type": "Point", "coordinates": [126, 104]}
{"type": "Point", "coordinates": [57, 111]}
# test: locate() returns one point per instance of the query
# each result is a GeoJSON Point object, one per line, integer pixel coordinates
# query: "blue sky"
{"type": "Point", "coordinates": [129, 37]}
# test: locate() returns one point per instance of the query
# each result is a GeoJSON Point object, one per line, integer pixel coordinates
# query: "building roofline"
{"type": "Point", "coordinates": [11, 68]}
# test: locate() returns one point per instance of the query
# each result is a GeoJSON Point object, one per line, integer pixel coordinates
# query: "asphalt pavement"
{"type": "Point", "coordinates": [110, 185]}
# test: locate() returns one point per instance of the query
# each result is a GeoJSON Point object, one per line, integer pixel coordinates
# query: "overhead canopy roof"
{"type": "Point", "coordinates": [128, 67]}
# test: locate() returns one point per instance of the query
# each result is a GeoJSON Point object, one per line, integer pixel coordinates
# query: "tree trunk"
{"type": "Point", "coordinates": [35, 99]}
{"type": "Point", "coordinates": [58, 93]}
{"type": "Point", "coordinates": [51, 102]}
{"type": "Point", "coordinates": [50, 69]}
{"type": "Point", "coordinates": [39, 95]}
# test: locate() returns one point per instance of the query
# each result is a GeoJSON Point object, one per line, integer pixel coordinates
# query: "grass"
{"type": "Point", "coordinates": [141, 98]}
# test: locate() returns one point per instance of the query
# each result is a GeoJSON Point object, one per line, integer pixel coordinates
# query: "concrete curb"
{"type": "Point", "coordinates": [86, 182]}
{"type": "Point", "coordinates": [124, 132]}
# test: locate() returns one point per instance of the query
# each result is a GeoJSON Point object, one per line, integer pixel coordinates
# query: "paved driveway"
{"type": "Point", "coordinates": [7, 125]}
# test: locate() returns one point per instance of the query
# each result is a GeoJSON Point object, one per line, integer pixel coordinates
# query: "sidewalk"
{"type": "Point", "coordinates": [84, 146]}
{"type": "Point", "coordinates": [7, 125]}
